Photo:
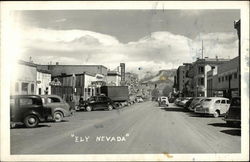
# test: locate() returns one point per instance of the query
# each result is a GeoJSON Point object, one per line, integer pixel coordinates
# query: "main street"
{"type": "Point", "coordinates": [139, 128]}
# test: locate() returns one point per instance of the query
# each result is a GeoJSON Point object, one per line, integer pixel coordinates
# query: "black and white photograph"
{"type": "Point", "coordinates": [143, 81]}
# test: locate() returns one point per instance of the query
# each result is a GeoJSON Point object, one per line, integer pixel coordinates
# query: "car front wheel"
{"type": "Point", "coordinates": [88, 108]}
{"type": "Point", "coordinates": [216, 114]}
{"type": "Point", "coordinates": [58, 116]}
{"type": "Point", "coordinates": [31, 121]}
{"type": "Point", "coordinates": [110, 107]}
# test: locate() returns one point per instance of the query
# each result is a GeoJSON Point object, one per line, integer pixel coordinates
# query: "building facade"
{"type": "Point", "coordinates": [114, 78]}
{"type": "Point", "coordinates": [25, 79]}
{"type": "Point", "coordinates": [43, 82]}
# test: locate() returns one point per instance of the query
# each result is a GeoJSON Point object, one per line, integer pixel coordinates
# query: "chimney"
{"type": "Point", "coordinates": [216, 58]}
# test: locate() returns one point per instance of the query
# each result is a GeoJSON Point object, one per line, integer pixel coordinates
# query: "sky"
{"type": "Point", "coordinates": [149, 40]}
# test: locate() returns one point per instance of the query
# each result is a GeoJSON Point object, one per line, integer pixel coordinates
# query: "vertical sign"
{"type": "Point", "coordinates": [122, 65]}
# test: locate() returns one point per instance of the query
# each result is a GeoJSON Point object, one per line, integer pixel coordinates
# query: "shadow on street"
{"type": "Point", "coordinates": [192, 114]}
{"type": "Point", "coordinates": [24, 127]}
{"type": "Point", "coordinates": [233, 132]}
{"type": "Point", "coordinates": [174, 109]}
{"type": "Point", "coordinates": [223, 125]}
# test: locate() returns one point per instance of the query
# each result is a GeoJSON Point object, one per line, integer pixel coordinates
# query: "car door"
{"type": "Point", "coordinates": [216, 106]}
{"type": "Point", "coordinates": [14, 110]}
{"type": "Point", "coordinates": [102, 102]}
{"type": "Point", "coordinates": [224, 106]}
{"type": "Point", "coordinates": [30, 105]}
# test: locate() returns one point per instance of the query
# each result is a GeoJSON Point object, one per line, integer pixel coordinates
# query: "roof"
{"type": "Point", "coordinates": [44, 71]}
{"type": "Point", "coordinates": [26, 63]}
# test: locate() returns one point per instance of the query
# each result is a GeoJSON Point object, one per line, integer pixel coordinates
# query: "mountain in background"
{"type": "Point", "coordinates": [164, 79]}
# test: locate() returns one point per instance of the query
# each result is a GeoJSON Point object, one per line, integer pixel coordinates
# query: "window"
{"type": "Point", "coordinates": [17, 87]}
{"type": "Point", "coordinates": [200, 81]}
{"type": "Point", "coordinates": [12, 102]}
{"type": "Point", "coordinates": [32, 88]}
{"type": "Point", "coordinates": [25, 87]}
{"type": "Point", "coordinates": [219, 79]}
{"type": "Point", "coordinates": [222, 79]}
{"type": "Point", "coordinates": [102, 99]}
{"type": "Point", "coordinates": [228, 102]}
{"type": "Point", "coordinates": [201, 70]}
{"type": "Point", "coordinates": [207, 100]}
{"type": "Point", "coordinates": [235, 75]}
{"type": "Point", "coordinates": [223, 101]}
{"type": "Point", "coordinates": [235, 102]}
{"type": "Point", "coordinates": [53, 100]}
{"type": "Point", "coordinates": [25, 101]}
{"type": "Point", "coordinates": [217, 101]}
{"type": "Point", "coordinates": [226, 78]}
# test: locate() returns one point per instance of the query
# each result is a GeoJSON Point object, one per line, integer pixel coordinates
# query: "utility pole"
{"type": "Point", "coordinates": [202, 49]}
{"type": "Point", "coordinates": [237, 27]}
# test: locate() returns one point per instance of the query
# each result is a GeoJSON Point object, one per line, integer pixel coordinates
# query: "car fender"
{"type": "Point", "coordinates": [65, 112]}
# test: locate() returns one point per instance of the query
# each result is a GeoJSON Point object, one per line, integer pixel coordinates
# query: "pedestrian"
{"type": "Point", "coordinates": [46, 91]}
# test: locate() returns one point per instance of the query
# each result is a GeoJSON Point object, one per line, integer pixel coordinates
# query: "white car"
{"type": "Point", "coordinates": [163, 101]}
{"type": "Point", "coordinates": [215, 106]}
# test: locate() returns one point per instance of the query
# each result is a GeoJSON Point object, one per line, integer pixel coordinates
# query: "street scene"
{"type": "Point", "coordinates": [127, 82]}
{"type": "Point", "coordinates": [140, 128]}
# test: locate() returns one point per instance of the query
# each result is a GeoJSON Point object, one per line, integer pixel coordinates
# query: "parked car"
{"type": "Point", "coordinates": [233, 115]}
{"type": "Point", "coordinates": [28, 109]}
{"type": "Point", "coordinates": [215, 106]}
{"type": "Point", "coordinates": [163, 101]}
{"type": "Point", "coordinates": [187, 104]}
{"type": "Point", "coordinates": [194, 103]}
{"type": "Point", "coordinates": [139, 99]}
{"type": "Point", "coordinates": [60, 108]}
{"type": "Point", "coordinates": [178, 100]}
{"type": "Point", "coordinates": [99, 102]}
{"type": "Point", "coordinates": [183, 101]}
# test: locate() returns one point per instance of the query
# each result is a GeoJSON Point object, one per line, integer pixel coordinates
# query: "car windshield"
{"type": "Point", "coordinates": [236, 102]}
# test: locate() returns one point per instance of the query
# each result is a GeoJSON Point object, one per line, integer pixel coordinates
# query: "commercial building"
{"type": "Point", "coordinates": [198, 75]}
{"type": "Point", "coordinates": [43, 82]}
{"type": "Point", "coordinates": [113, 78]}
{"type": "Point", "coordinates": [24, 81]}
{"type": "Point", "coordinates": [182, 81]}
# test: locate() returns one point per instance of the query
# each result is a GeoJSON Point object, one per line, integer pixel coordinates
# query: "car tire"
{"type": "Point", "coordinates": [88, 108]}
{"type": "Point", "coordinates": [110, 107]}
{"type": "Point", "coordinates": [216, 114]}
{"type": "Point", "coordinates": [58, 116]}
{"type": "Point", "coordinates": [31, 121]}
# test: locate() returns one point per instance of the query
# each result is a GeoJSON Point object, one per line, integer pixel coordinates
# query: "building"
{"type": "Point", "coordinates": [212, 82]}
{"type": "Point", "coordinates": [114, 78]}
{"type": "Point", "coordinates": [24, 81]}
{"type": "Point", "coordinates": [198, 74]}
{"type": "Point", "coordinates": [43, 82]}
{"type": "Point", "coordinates": [228, 78]}
{"type": "Point", "coordinates": [182, 81]}
{"type": "Point", "coordinates": [132, 81]}
{"type": "Point", "coordinates": [57, 69]}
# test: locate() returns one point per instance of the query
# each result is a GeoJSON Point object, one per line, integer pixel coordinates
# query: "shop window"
{"type": "Point", "coordinates": [25, 87]}
{"type": "Point", "coordinates": [32, 88]}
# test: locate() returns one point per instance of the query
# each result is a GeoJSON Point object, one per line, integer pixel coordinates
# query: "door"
{"type": "Point", "coordinates": [14, 110]}
{"type": "Point", "coordinates": [216, 105]}
{"type": "Point", "coordinates": [29, 104]}
{"type": "Point", "coordinates": [224, 106]}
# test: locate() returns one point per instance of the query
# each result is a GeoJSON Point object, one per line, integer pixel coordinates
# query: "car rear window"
{"type": "Point", "coordinates": [53, 100]}
{"type": "Point", "coordinates": [236, 102]}
{"type": "Point", "coordinates": [206, 100]}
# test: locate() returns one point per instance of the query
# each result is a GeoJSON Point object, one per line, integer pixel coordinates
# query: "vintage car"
{"type": "Point", "coordinates": [216, 106]}
{"type": "Point", "coordinates": [29, 110]}
{"type": "Point", "coordinates": [163, 101]}
{"type": "Point", "coordinates": [99, 102]}
{"type": "Point", "coordinates": [196, 101]}
{"type": "Point", "coordinates": [233, 115]}
{"type": "Point", "coordinates": [60, 108]}
{"type": "Point", "coordinates": [187, 104]}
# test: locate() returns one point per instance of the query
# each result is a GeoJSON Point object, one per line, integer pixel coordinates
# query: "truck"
{"type": "Point", "coordinates": [118, 94]}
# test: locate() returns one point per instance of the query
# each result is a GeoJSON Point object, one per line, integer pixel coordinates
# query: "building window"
{"type": "Point", "coordinates": [25, 87]}
{"type": "Point", "coordinates": [200, 81]}
{"type": "Point", "coordinates": [235, 75]}
{"type": "Point", "coordinates": [17, 87]}
{"type": "Point", "coordinates": [32, 88]}
{"type": "Point", "coordinates": [201, 70]}
{"type": "Point", "coordinates": [226, 78]}
{"type": "Point", "coordinates": [219, 79]}
{"type": "Point", "coordinates": [222, 79]}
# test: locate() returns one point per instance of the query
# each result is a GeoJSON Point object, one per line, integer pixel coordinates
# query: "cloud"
{"type": "Point", "coordinates": [159, 50]}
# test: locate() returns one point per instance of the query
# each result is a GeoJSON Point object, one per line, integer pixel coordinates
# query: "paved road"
{"type": "Point", "coordinates": [140, 128]}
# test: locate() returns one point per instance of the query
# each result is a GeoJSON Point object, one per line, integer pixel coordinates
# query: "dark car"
{"type": "Point", "coordinates": [60, 108]}
{"type": "Point", "coordinates": [99, 102]}
{"type": "Point", "coordinates": [233, 115]}
{"type": "Point", "coordinates": [187, 104]}
{"type": "Point", "coordinates": [28, 109]}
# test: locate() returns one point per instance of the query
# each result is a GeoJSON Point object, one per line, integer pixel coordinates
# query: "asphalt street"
{"type": "Point", "coordinates": [136, 129]}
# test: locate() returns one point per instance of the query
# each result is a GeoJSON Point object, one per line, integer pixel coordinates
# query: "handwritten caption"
{"type": "Point", "coordinates": [79, 139]}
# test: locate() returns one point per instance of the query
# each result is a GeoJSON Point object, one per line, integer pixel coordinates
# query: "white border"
{"type": "Point", "coordinates": [6, 7]}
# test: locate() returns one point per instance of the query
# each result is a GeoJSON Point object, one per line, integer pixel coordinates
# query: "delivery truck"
{"type": "Point", "coordinates": [118, 94]}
